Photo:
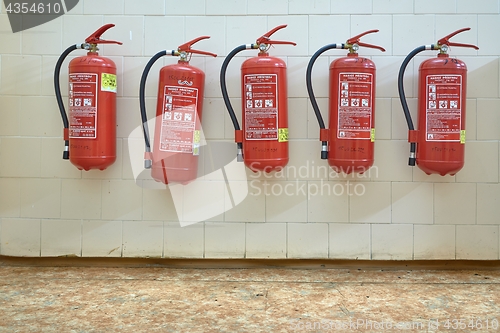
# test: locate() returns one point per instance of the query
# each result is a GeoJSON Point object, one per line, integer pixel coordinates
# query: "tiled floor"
{"type": "Point", "coordinates": [304, 296]}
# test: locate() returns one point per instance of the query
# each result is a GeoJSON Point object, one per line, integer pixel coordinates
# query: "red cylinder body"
{"type": "Point", "coordinates": [441, 115]}
{"type": "Point", "coordinates": [352, 114]}
{"type": "Point", "coordinates": [92, 112]}
{"type": "Point", "coordinates": [265, 113]}
{"type": "Point", "coordinates": [178, 123]}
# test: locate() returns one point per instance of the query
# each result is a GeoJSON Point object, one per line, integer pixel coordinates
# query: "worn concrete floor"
{"type": "Point", "coordinates": [306, 298]}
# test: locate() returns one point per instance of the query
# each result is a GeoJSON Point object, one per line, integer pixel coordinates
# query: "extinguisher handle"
{"type": "Point", "coordinates": [355, 40]}
{"type": "Point", "coordinates": [186, 47]}
{"type": "Point", "coordinates": [271, 42]}
{"type": "Point", "coordinates": [95, 38]}
{"type": "Point", "coordinates": [203, 52]}
{"type": "Point", "coordinates": [462, 45]}
{"type": "Point", "coordinates": [446, 40]}
{"type": "Point", "coordinates": [371, 46]}
{"type": "Point", "coordinates": [266, 38]}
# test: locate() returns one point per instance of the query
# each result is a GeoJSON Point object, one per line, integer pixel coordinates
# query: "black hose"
{"type": "Point", "coordinates": [324, 152]}
{"type": "Point", "coordinates": [57, 89]}
{"type": "Point", "coordinates": [223, 87]}
{"type": "Point", "coordinates": [142, 99]}
{"type": "Point", "coordinates": [402, 98]}
{"type": "Point", "coordinates": [225, 96]}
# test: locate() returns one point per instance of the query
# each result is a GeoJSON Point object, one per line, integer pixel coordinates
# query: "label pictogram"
{"type": "Point", "coordinates": [108, 82]}
{"type": "Point", "coordinates": [261, 109]}
{"type": "Point", "coordinates": [178, 121]}
{"type": "Point", "coordinates": [444, 109]}
{"type": "Point", "coordinates": [355, 111]}
{"type": "Point", "coordinates": [83, 105]}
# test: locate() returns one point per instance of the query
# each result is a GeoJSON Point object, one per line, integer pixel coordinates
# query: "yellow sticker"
{"type": "Point", "coordinates": [372, 135]}
{"type": "Point", "coordinates": [462, 136]}
{"type": "Point", "coordinates": [282, 134]}
{"type": "Point", "coordinates": [108, 82]}
{"type": "Point", "coordinates": [196, 136]}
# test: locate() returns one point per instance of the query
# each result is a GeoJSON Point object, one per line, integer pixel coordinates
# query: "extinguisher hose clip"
{"type": "Point", "coordinates": [402, 96]}
{"type": "Point", "coordinates": [312, 98]}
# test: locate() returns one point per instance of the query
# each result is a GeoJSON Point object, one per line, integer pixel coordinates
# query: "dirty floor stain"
{"type": "Point", "coordinates": [158, 299]}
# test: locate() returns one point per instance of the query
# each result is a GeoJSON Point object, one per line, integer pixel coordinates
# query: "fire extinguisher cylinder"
{"type": "Point", "coordinates": [174, 155]}
{"type": "Point", "coordinates": [432, 148]}
{"type": "Point", "coordinates": [262, 144]}
{"type": "Point", "coordinates": [348, 143]}
{"type": "Point", "coordinates": [91, 145]}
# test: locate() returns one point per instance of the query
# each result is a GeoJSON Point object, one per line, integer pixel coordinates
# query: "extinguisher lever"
{"type": "Point", "coordinates": [186, 47]}
{"type": "Point", "coordinates": [446, 40]}
{"type": "Point", "coordinates": [269, 33]}
{"type": "Point", "coordinates": [266, 38]}
{"type": "Point", "coordinates": [95, 38]}
{"type": "Point", "coordinates": [355, 40]}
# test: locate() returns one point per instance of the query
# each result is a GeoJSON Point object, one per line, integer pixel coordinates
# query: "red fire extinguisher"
{"type": "Point", "coordinates": [263, 142]}
{"type": "Point", "coordinates": [90, 132]}
{"type": "Point", "coordinates": [437, 146]}
{"type": "Point", "coordinates": [178, 117]}
{"type": "Point", "coordinates": [348, 144]}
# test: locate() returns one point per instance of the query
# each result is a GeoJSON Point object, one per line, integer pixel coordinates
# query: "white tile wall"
{"type": "Point", "coordinates": [224, 240]}
{"type": "Point", "coordinates": [430, 6]}
{"type": "Point", "coordinates": [61, 238]}
{"type": "Point", "coordinates": [405, 197]}
{"type": "Point", "coordinates": [101, 238]}
{"type": "Point", "coordinates": [142, 239]}
{"type": "Point", "coordinates": [49, 208]}
{"type": "Point", "coordinates": [349, 241]}
{"type": "Point", "coordinates": [307, 240]}
{"type": "Point", "coordinates": [455, 203]}
{"type": "Point", "coordinates": [183, 242]}
{"type": "Point", "coordinates": [477, 242]}
{"type": "Point", "coordinates": [266, 240]}
{"type": "Point", "coordinates": [20, 237]}
{"type": "Point", "coordinates": [392, 242]}
{"type": "Point", "coordinates": [435, 242]}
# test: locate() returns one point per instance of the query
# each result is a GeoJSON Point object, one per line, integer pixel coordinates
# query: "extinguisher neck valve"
{"type": "Point", "coordinates": [183, 56]}
{"type": "Point", "coordinates": [93, 48]}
